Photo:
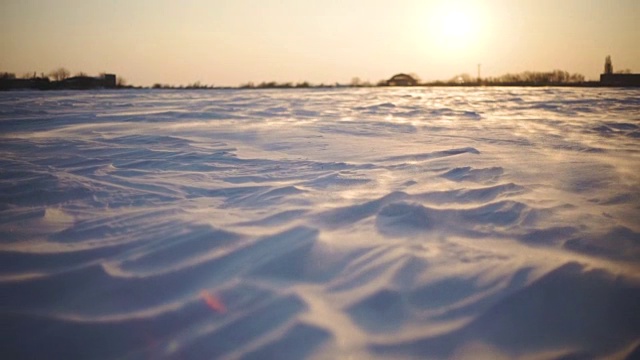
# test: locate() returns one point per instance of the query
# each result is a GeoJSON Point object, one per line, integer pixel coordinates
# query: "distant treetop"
{"type": "Point", "coordinates": [608, 67]}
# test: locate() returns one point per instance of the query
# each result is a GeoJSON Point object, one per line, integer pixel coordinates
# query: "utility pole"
{"type": "Point", "coordinates": [479, 79]}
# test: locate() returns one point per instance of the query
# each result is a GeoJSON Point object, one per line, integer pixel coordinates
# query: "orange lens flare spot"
{"type": "Point", "coordinates": [213, 302]}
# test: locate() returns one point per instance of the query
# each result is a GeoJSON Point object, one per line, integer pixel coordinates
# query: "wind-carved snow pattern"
{"type": "Point", "coordinates": [336, 223]}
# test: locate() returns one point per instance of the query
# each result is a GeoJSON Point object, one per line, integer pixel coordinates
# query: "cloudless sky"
{"type": "Point", "coordinates": [229, 42]}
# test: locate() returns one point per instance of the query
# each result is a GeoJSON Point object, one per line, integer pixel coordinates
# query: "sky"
{"type": "Point", "coordinates": [231, 42]}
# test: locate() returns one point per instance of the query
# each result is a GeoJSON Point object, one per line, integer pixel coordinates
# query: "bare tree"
{"type": "Point", "coordinates": [7, 76]}
{"type": "Point", "coordinates": [121, 82]}
{"type": "Point", "coordinates": [60, 74]}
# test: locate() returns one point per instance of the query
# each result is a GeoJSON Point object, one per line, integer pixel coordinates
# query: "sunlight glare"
{"type": "Point", "coordinates": [456, 25]}
{"type": "Point", "coordinates": [456, 28]}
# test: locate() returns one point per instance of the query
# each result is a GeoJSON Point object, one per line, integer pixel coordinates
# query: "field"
{"type": "Point", "coordinates": [336, 223]}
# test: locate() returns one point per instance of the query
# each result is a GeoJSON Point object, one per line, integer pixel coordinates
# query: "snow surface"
{"type": "Point", "coordinates": [343, 223]}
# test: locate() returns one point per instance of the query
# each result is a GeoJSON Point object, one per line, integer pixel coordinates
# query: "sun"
{"type": "Point", "coordinates": [455, 28]}
{"type": "Point", "coordinates": [453, 31]}
{"type": "Point", "coordinates": [456, 25]}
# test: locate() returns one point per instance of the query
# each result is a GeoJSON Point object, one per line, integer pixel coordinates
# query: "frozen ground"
{"type": "Point", "coordinates": [357, 223]}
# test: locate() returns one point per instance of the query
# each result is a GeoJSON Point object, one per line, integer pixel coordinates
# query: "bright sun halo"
{"type": "Point", "coordinates": [456, 25]}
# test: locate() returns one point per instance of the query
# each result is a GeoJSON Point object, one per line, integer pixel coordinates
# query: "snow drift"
{"type": "Point", "coordinates": [342, 223]}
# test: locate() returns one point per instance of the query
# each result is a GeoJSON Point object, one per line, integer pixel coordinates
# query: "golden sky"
{"type": "Point", "coordinates": [228, 42]}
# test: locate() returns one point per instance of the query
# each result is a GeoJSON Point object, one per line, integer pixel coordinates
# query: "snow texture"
{"type": "Point", "coordinates": [336, 223]}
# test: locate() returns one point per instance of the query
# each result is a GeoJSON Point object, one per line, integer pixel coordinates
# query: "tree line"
{"type": "Point", "coordinates": [526, 78]}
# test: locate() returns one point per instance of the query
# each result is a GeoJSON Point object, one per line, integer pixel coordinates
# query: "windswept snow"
{"type": "Point", "coordinates": [340, 223]}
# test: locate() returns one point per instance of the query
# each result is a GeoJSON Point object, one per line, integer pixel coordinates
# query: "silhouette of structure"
{"type": "Point", "coordinates": [402, 80]}
{"type": "Point", "coordinates": [109, 80]}
{"type": "Point", "coordinates": [15, 84]}
{"type": "Point", "coordinates": [89, 82]}
{"type": "Point", "coordinates": [611, 79]}
{"type": "Point", "coordinates": [83, 82]}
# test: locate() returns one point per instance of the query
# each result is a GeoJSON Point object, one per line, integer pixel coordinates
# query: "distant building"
{"type": "Point", "coordinates": [109, 80]}
{"type": "Point", "coordinates": [402, 80]}
{"type": "Point", "coordinates": [81, 82]}
{"type": "Point", "coordinates": [15, 84]}
{"type": "Point", "coordinates": [89, 82]}
{"type": "Point", "coordinates": [611, 79]}
{"type": "Point", "coordinates": [620, 79]}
